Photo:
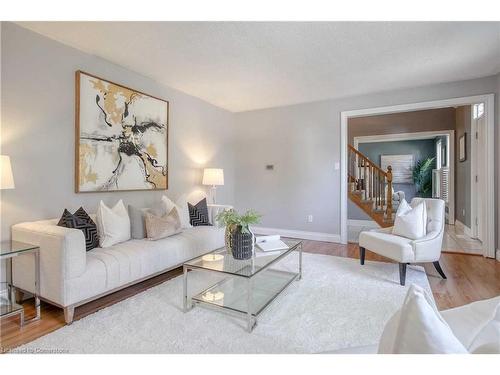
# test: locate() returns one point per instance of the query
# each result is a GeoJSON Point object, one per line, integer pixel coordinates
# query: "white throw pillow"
{"type": "Point", "coordinates": [418, 328]}
{"type": "Point", "coordinates": [487, 340]}
{"type": "Point", "coordinates": [403, 208]}
{"type": "Point", "coordinates": [158, 227]}
{"type": "Point", "coordinates": [182, 208]}
{"type": "Point", "coordinates": [410, 222]}
{"type": "Point", "coordinates": [113, 224]}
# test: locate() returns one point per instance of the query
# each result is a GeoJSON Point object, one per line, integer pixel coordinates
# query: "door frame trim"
{"type": "Point", "coordinates": [475, 186]}
{"type": "Point", "coordinates": [489, 100]}
{"type": "Point", "coordinates": [416, 136]}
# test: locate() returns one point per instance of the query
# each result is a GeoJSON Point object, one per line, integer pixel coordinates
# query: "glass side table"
{"type": "Point", "coordinates": [8, 306]}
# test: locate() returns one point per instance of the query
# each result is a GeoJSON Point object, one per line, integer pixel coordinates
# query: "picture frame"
{"type": "Point", "coordinates": [462, 148]}
{"type": "Point", "coordinates": [402, 167]}
{"type": "Point", "coordinates": [121, 137]}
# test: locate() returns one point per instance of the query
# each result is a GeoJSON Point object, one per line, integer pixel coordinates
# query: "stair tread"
{"type": "Point", "coordinates": [378, 217]}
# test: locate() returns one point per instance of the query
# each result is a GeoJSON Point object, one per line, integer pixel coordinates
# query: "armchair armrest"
{"type": "Point", "coordinates": [62, 257]}
{"type": "Point", "coordinates": [387, 230]}
{"type": "Point", "coordinates": [428, 248]}
{"type": "Point", "coordinates": [428, 237]}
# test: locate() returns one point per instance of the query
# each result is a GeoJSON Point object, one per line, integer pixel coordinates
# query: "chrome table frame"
{"type": "Point", "coordinates": [249, 316]}
{"type": "Point", "coordinates": [11, 288]}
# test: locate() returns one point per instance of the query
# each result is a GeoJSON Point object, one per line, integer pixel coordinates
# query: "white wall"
{"type": "Point", "coordinates": [303, 142]}
{"type": "Point", "coordinates": [38, 101]}
{"type": "Point", "coordinates": [497, 137]}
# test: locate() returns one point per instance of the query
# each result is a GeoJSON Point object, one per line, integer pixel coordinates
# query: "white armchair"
{"type": "Point", "coordinates": [404, 250]}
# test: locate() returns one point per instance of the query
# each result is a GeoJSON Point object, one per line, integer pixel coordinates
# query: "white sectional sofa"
{"type": "Point", "coordinates": [465, 322]}
{"type": "Point", "coordinates": [70, 276]}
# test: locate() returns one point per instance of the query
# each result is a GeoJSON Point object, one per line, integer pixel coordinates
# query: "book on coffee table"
{"type": "Point", "coordinates": [270, 243]}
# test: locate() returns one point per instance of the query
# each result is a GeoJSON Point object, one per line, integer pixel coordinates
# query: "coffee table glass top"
{"type": "Point", "coordinates": [221, 260]}
{"type": "Point", "coordinates": [11, 247]}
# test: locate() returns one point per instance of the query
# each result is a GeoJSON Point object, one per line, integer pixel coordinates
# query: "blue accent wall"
{"type": "Point", "coordinates": [421, 149]}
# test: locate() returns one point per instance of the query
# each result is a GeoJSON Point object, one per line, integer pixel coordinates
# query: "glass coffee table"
{"type": "Point", "coordinates": [247, 287]}
{"type": "Point", "coordinates": [8, 306]}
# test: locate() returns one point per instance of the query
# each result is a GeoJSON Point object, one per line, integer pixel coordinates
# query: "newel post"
{"type": "Point", "coordinates": [388, 194]}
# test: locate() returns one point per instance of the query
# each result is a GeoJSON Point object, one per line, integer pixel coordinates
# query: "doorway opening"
{"type": "Point", "coordinates": [473, 168]}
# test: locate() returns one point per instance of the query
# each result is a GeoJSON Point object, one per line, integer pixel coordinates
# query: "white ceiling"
{"type": "Point", "coordinates": [243, 66]}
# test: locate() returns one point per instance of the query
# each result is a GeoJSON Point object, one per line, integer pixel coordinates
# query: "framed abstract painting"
{"type": "Point", "coordinates": [121, 137]}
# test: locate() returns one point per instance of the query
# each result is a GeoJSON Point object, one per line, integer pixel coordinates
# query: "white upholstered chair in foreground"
{"type": "Point", "coordinates": [405, 250]}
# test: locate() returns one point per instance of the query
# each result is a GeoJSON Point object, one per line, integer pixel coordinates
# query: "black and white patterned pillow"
{"type": "Point", "coordinates": [198, 214]}
{"type": "Point", "coordinates": [81, 220]}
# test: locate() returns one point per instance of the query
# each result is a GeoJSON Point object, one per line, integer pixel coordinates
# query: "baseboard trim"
{"type": "Point", "coordinates": [465, 228]}
{"type": "Point", "coordinates": [300, 234]}
{"type": "Point", "coordinates": [362, 223]}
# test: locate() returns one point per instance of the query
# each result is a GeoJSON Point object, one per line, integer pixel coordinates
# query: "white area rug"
{"type": "Point", "coordinates": [337, 304]}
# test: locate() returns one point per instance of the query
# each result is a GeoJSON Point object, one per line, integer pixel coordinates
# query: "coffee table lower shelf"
{"type": "Point", "coordinates": [245, 297]}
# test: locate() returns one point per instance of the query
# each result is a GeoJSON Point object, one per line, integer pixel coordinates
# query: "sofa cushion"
{"type": "Point", "coordinates": [137, 223]}
{"type": "Point", "coordinates": [487, 340]}
{"type": "Point", "coordinates": [466, 321]}
{"type": "Point", "coordinates": [113, 224]}
{"type": "Point", "coordinates": [182, 208]}
{"type": "Point", "coordinates": [388, 245]}
{"type": "Point", "coordinates": [158, 227]}
{"type": "Point", "coordinates": [81, 220]}
{"type": "Point", "coordinates": [198, 213]}
{"type": "Point", "coordinates": [418, 328]}
{"type": "Point", "coordinates": [132, 260]}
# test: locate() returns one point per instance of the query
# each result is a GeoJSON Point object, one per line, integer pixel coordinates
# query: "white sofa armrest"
{"type": "Point", "coordinates": [215, 209]}
{"type": "Point", "coordinates": [62, 257]}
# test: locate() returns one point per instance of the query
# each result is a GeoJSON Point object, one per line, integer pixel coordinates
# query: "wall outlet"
{"type": "Point", "coordinates": [309, 218]}
{"type": "Point", "coordinates": [463, 212]}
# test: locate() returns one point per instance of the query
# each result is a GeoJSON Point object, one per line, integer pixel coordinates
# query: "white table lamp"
{"type": "Point", "coordinates": [213, 177]}
{"type": "Point", "coordinates": [7, 181]}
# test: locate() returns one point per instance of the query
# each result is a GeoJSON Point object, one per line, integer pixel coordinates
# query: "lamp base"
{"type": "Point", "coordinates": [213, 194]}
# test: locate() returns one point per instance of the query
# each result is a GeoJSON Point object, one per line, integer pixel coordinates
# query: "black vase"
{"type": "Point", "coordinates": [240, 244]}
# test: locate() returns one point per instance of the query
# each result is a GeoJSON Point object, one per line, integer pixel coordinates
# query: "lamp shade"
{"type": "Point", "coordinates": [213, 176]}
{"type": "Point", "coordinates": [7, 181]}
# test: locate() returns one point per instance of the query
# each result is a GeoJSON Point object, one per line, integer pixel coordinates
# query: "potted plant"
{"type": "Point", "coordinates": [239, 239]}
{"type": "Point", "coordinates": [422, 177]}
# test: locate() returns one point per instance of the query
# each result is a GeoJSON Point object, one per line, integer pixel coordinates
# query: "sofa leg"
{"type": "Point", "coordinates": [69, 313]}
{"type": "Point", "coordinates": [362, 252]}
{"type": "Point", "coordinates": [402, 273]}
{"type": "Point", "coordinates": [438, 268]}
{"type": "Point", "coordinates": [19, 296]}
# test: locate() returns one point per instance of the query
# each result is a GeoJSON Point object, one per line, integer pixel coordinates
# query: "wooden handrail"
{"type": "Point", "coordinates": [367, 160]}
{"type": "Point", "coordinates": [372, 183]}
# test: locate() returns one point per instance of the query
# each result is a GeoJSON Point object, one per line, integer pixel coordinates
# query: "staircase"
{"type": "Point", "coordinates": [370, 187]}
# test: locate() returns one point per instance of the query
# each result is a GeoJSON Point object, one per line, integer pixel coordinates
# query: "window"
{"type": "Point", "coordinates": [478, 111]}
{"type": "Point", "coordinates": [439, 145]}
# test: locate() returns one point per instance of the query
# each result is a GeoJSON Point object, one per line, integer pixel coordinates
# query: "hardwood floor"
{"type": "Point", "coordinates": [470, 278]}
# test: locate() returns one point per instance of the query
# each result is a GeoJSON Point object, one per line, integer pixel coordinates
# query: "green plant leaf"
{"type": "Point", "coordinates": [422, 176]}
{"type": "Point", "coordinates": [232, 218]}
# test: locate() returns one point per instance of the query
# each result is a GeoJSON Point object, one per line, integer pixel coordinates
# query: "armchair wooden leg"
{"type": "Point", "coordinates": [362, 252]}
{"type": "Point", "coordinates": [438, 268]}
{"type": "Point", "coordinates": [402, 273]}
